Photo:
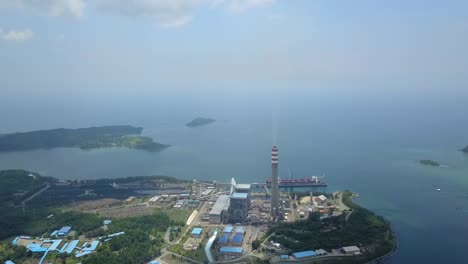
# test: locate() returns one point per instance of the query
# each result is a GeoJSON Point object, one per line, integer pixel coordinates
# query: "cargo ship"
{"type": "Point", "coordinates": [312, 181]}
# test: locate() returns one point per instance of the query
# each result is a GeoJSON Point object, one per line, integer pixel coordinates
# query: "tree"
{"type": "Point", "coordinates": [256, 244]}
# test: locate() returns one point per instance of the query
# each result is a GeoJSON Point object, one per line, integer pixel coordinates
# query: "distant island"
{"type": "Point", "coordinates": [84, 138]}
{"type": "Point", "coordinates": [430, 163]}
{"type": "Point", "coordinates": [465, 149]}
{"type": "Point", "coordinates": [200, 121]}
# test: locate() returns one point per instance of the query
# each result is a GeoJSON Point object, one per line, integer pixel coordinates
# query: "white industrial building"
{"type": "Point", "coordinates": [220, 209]}
{"type": "Point", "coordinates": [350, 250]}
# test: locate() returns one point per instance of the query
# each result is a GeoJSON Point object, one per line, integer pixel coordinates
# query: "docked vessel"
{"type": "Point", "coordinates": [304, 182]}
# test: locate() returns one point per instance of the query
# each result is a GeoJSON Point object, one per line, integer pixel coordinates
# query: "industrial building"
{"type": "Point", "coordinates": [242, 188]}
{"type": "Point", "coordinates": [64, 231]}
{"type": "Point", "coordinates": [237, 239]}
{"type": "Point", "coordinates": [239, 207]}
{"type": "Point", "coordinates": [304, 254]}
{"type": "Point", "coordinates": [228, 230]}
{"type": "Point", "coordinates": [223, 240]}
{"type": "Point", "coordinates": [196, 232]}
{"type": "Point", "coordinates": [232, 251]}
{"type": "Point", "coordinates": [220, 210]}
{"type": "Point", "coordinates": [350, 250]}
{"type": "Point", "coordinates": [154, 200]}
{"type": "Point", "coordinates": [321, 252]}
{"type": "Point", "coordinates": [240, 230]}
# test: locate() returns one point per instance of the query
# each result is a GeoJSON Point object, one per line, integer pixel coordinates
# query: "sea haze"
{"type": "Point", "coordinates": [370, 145]}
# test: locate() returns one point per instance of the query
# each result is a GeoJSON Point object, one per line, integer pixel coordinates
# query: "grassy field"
{"type": "Point", "coordinates": [178, 215]}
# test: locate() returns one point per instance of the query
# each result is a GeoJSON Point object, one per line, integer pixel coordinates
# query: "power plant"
{"type": "Point", "coordinates": [274, 183]}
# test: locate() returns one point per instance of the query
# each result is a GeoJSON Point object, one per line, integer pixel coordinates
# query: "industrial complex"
{"type": "Point", "coordinates": [225, 221]}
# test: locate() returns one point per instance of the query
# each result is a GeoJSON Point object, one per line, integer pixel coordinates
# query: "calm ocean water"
{"type": "Point", "coordinates": [370, 147]}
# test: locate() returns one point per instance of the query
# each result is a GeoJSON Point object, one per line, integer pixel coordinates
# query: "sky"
{"type": "Point", "coordinates": [99, 48]}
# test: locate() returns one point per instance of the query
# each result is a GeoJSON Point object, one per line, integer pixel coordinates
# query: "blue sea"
{"type": "Point", "coordinates": [370, 145]}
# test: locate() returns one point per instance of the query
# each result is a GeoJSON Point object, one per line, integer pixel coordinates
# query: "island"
{"type": "Point", "coordinates": [465, 149]}
{"type": "Point", "coordinates": [200, 121]}
{"type": "Point", "coordinates": [84, 138]}
{"type": "Point", "coordinates": [430, 163]}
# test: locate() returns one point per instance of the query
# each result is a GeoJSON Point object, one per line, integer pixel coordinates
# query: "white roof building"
{"type": "Point", "coordinates": [350, 250]}
{"type": "Point", "coordinates": [322, 198]}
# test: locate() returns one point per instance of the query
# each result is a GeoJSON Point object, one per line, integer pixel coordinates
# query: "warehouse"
{"type": "Point", "coordinates": [233, 251]}
{"type": "Point", "coordinates": [227, 230]}
{"type": "Point", "coordinates": [240, 230]}
{"type": "Point", "coordinates": [237, 239]}
{"type": "Point", "coordinates": [197, 231]}
{"type": "Point", "coordinates": [304, 254]}
{"type": "Point", "coordinates": [220, 210]}
{"type": "Point", "coordinates": [223, 240]}
{"type": "Point", "coordinates": [242, 188]}
{"type": "Point", "coordinates": [350, 250]}
{"type": "Point", "coordinates": [321, 252]}
{"type": "Point", "coordinates": [64, 231]}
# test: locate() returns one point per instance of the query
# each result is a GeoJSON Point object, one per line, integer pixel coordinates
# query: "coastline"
{"type": "Point", "coordinates": [389, 254]}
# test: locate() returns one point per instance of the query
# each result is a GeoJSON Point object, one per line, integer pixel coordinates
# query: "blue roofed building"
{"type": "Point", "coordinates": [9, 262]}
{"type": "Point", "coordinates": [223, 240]}
{"type": "Point", "coordinates": [64, 231]}
{"type": "Point", "coordinates": [55, 244]}
{"type": "Point", "coordinates": [154, 262]}
{"type": "Point", "coordinates": [240, 230]}
{"type": "Point", "coordinates": [234, 251]}
{"type": "Point", "coordinates": [72, 246]}
{"type": "Point", "coordinates": [238, 239]}
{"type": "Point", "coordinates": [228, 230]}
{"type": "Point", "coordinates": [197, 231]}
{"type": "Point", "coordinates": [304, 254]}
{"type": "Point", "coordinates": [284, 257]}
{"type": "Point", "coordinates": [92, 246]}
{"type": "Point", "coordinates": [36, 248]}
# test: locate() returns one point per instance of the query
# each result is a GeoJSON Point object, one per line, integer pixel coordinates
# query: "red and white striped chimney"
{"type": "Point", "coordinates": [274, 155]}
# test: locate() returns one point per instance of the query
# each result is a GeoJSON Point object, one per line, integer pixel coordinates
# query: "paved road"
{"type": "Point", "coordinates": [23, 203]}
{"type": "Point", "coordinates": [165, 251]}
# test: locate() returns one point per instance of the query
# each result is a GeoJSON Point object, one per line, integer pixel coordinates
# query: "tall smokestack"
{"type": "Point", "coordinates": [274, 182]}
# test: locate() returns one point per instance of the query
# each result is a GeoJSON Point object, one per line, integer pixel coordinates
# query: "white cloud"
{"type": "Point", "coordinates": [180, 22]}
{"type": "Point", "coordinates": [19, 35]}
{"type": "Point", "coordinates": [167, 13]}
{"type": "Point", "coordinates": [242, 5]}
{"type": "Point", "coordinates": [173, 13]}
{"type": "Point", "coordinates": [66, 8]}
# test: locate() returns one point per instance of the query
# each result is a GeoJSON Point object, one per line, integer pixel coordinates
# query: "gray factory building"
{"type": "Point", "coordinates": [219, 212]}
{"type": "Point", "coordinates": [239, 207]}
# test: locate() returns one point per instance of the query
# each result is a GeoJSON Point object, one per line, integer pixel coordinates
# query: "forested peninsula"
{"type": "Point", "coordinates": [84, 138]}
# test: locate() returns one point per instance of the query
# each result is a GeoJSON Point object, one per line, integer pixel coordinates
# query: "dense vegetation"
{"type": "Point", "coordinates": [18, 184]}
{"type": "Point", "coordinates": [430, 163]}
{"type": "Point", "coordinates": [142, 241]}
{"type": "Point", "coordinates": [9, 252]}
{"type": "Point", "coordinates": [200, 121]}
{"type": "Point", "coordinates": [84, 138]}
{"type": "Point", "coordinates": [363, 228]}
